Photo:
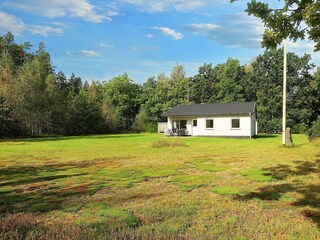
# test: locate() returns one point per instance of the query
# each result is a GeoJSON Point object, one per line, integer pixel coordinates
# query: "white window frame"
{"type": "Point", "coordinates": [212, 123]}
{"type": "Point", "coordinates": [234, 128]}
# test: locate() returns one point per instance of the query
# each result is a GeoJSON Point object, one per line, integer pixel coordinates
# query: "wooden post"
{"type": "Point", "coordinates": [289, 141]}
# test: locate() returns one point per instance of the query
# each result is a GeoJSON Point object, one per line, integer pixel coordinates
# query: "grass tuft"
{"type": "Point", "coordinates": [167, 143]}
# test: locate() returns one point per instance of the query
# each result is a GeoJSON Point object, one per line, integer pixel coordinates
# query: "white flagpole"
{"type": "Point", "coordinates": [284, 92]}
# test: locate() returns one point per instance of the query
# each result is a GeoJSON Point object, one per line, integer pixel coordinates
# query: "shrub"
{"type": "Point", "coordinates": [314, 131]}
{"type": "Point", "coordinates": [141, 123]}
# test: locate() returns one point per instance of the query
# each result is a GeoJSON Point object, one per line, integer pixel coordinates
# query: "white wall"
{"type": "Point", "coordinates": [162, 126]}
{"type": "Point", "coordinates": [222, 126]}
{"type": "Point", "coordinates": [169, 122]}
{"type": "Point", "coordinates": [254, 125]}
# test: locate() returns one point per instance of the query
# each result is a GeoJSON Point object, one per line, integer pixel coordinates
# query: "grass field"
{"type": "Point", "coordinates": [145, 186]}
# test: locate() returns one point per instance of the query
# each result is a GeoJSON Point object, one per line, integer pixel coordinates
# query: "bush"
{"type": "Point", "coordinates": [314, 131]}
{"type": "Point", "coordinates": [141, 123]}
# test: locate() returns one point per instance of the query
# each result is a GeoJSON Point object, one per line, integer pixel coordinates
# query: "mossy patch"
{"type": "Point", "coordinates": [102, 214]}
{"type": "Point", "coordinates": [227, 191]}
{"type": "Point", "coordinates": [259, 175]}
{"type": "Point", "coordinates": [125, 178]}
{"type": "Point", "coordinates": [190, 182]}
{"type": "Point", "coordinates": [211, 168]}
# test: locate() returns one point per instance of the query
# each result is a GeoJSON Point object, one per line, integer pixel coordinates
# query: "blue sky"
{"type": "Point", "coordinates": [101, 39]}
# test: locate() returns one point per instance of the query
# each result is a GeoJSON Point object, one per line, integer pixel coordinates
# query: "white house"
{"type": "Point", "coordinates": [220, 120]}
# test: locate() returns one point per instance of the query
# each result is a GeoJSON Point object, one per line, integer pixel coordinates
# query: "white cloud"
{"type": "Point", "coordinates": [106, 45]}
{"type": "Point", "coordinates": [300, 46]}
{"type": "Point", "coordinates": [202, 28]}
{"type": "Point", "coordinates": [43, 30]}
{"type": "Point", "coordinates": [152, 6]}
{"type": "Point", "coordinates": [169, 32]}
{"type": "Point", "coordinates": [84, 53]}
{"type": "Point", "coordinates": [111, 14]}
{"type": "Point", "coordinates": [150, 36]}
{"type": "Point", "coordinates": [182, 6]}
{"type": "Point", "coordinates": [59, 24]}
{"type": "Point", "coordinates": [237, 30]}
{"type": "Point", "coordinates": [11, 23]}
{"type": "Point", "coordinates": [17, 27]}
{"type": "Point", "coordinates": [60, 8]}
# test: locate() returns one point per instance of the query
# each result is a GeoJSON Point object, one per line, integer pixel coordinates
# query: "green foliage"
{"type": "Point", "coordinates": [266, 73]}
{"type": "Point", "coordinates": [83, 115]}
{"type": "Point", "coordinates": [203, 84]}
{"type": "Point", "coordinates": [142, 124]}
{"type": "Point", "coordinates": [122, 96]}
{"type": "Point", "coordinates": [158, 96]}
{"type": "Point", "coordinates": [314, 131]}
{"type": "Point", "coordinates": [288, 21]}
{"type": "Point", "coordinates": [8, 124]}
{"type": "Point", "coordinates": [228, 86]}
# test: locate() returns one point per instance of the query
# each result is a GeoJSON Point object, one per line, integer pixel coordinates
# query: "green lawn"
{"type": "Point", "coordinates": [145, 186]}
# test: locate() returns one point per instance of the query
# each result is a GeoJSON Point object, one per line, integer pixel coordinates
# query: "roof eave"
{"type": "Point", "coordinates": [206, 114]}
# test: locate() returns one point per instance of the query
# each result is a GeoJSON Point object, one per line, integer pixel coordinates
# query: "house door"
{"type": "Point", "coordinates": [194, 127]}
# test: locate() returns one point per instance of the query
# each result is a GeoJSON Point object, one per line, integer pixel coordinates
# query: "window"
{"type": "Point", "coordinates": [183, 124]}
{"type": "Point", "coordinates": [209, 123]}
{"type": "Point", "coordinates": [235, 123]}
{"type": "Point", "coordinates": [179, 124]}
{"type": "Point", "coordinates": [195, 123]}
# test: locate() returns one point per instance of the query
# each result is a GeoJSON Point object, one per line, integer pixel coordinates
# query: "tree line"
{"type": "Point", "coordinates": [36, 100]}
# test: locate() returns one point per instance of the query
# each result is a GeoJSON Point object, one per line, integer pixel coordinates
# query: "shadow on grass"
{"type": "Point", "coordinates": [49, 187]}
{"type": "Point", "coordinates": [310, 193]}
{"type": "Point", "coordinates": [43, 188]}
{"type": "Point", "coordinates": [65, 138]}
{"type": "Point", "coordinates": [263, 135]}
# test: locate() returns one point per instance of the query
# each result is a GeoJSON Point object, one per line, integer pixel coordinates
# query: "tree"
{"type": "Point", "coordinates": [31, 93]}
{"type": "Point", "coordinates": [121, 95]}
{"type": "Point", "coordinates": [295, 20]}
{"type": "Point", "coordinates": [266, 78]}
{"type": "Point", "coordinates": [158, 96]}
{"type": "Point", "coordinates": [84, 115]}
{"type": "Point", "coordinates": [203, 84]}
{"type": "Point", "coordinates": [75, 83]}
{"type": "Point", "coordinates": [8, 123]}
{"type": "Point", "coordinates": [179, 89]}
{"type": "Point", "coordinates": [228, 82]}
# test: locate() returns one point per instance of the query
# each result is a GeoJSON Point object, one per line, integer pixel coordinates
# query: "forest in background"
{"type": "Point", "coordinates": [36, 100]}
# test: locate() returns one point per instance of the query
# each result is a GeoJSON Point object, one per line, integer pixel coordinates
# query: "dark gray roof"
{"type": "Point", "coordinates": [211, 109]}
